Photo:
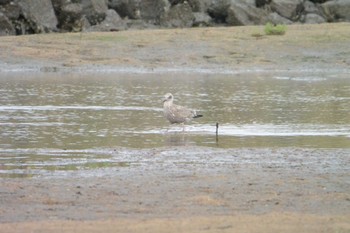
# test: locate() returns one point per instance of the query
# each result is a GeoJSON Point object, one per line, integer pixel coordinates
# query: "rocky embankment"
{"type": "Point", "coordinates": [19, 17]}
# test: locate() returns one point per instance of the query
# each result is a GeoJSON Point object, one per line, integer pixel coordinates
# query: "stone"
{"type": "Point", "coordinates": [200, 5]}
{"type": "Point", "coordinates": [6, 28]}
{"type": "Point", "coordinates": [95, 10]}
{"type": "Point", "coordinates": [39, 14]}
{"type": "Point", "coordinates": [4, 2]}
{"type": "Point", "coordinates": [201, 19]}
{"type": "Point", "coordinates": [290, 9]}
{"type": "Point", "coordinates": [152, 10]}
{"type": "Point", "coordinates": [310, 7]}
{"type": "Point", "coordinates": [240, 13]}
{"type": "Point", "coordinates": [112, 22]}
{"type": "Point", "coordinates": [217, 10]}
{"type": "Point", "coordinates": [126, 8]}
{"type": "Point", "coordinates": [196, 5]}
{"type": "Point", "coordinates": [70, 17]}
{"type": "Point", "coordinates": [261, 3]}
{"type": "Point", "coordinates": [312, 18]}
{"type": "Point", "coordinates": [11, 10]}
{"type": "Point", "coordinates": [337, 10]}
{"type": "Point", "coordinates": [275, 18]}
{"type": "Point", "coordinates": [180, 15]}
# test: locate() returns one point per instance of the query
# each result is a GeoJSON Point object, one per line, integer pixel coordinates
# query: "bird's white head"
{"type": "Point", "coordinates": [168, 97]}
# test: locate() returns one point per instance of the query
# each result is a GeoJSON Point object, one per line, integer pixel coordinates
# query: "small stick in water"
{"type": "Point", "coordinates": [217, 131]}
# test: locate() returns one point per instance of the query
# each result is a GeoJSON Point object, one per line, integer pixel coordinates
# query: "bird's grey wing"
{"type": "Point", "coordinates": [182, 112]}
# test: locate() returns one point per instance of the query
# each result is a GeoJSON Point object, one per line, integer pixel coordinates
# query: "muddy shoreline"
{"type": "Point", "coordinates": [186, 189]}
{"type": "Point", "coordinates": [173, 184]}
{"type": "Point", "coordinates": [305, 48]}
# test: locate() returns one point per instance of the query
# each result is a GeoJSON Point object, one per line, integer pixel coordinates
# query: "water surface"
{"type": "Point", "coordinates": [52, 121]}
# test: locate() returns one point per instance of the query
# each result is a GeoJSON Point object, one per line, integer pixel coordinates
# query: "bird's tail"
{"type": "Point", "coordinates": [197, 116]}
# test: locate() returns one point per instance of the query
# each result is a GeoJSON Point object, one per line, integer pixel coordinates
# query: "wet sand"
{"type": "Point", "coordinates": [226, 49]}
{"type": "Point", "coordinates": [215, 190]}
{"type": "Point", "coordinates": [189, 189]}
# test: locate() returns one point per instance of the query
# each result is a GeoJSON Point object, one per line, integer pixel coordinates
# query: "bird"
{"type": "Point", "coordinates": [177, 114]}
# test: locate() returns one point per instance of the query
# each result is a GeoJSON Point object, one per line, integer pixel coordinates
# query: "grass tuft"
{"type": "Point", "coordinates": [278, 29]}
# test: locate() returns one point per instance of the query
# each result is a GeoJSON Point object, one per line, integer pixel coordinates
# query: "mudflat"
{"type": "Point", "coordinates": [213, 189]}
{"type": "Point", "coordinates": [324, 46]}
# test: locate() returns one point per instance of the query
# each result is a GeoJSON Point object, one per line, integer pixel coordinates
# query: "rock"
{"type": "Point", "coordinates": [218, 10]}
{"type": "Point", "coordinates": [310, 7]}
{"type": "Point", "coordinates": [290, 9]}
{"type": "Point", "coordinates": [11, 10]}
{"type": "Point", "coordinates": [200, 5]}
{"type": "Point", "coordinates": [180, 15]}
{"type": "Point", "coordinates": [201, 19]}
{"type": "Point", "coordinates": [112, 22]}
{"type": "Point", "coordinates": [337, 10]}
{"type": "Point", "coordinates": [194, 4]}
{"type": "Point", "coordinates": [319, 1]}
{"type": "Point", "coordinates": [275, 18]}
{"type": "Point", "coordinates": [241, 13]}
{"type": "Point", "coordinates": [95, 10]}
{"type": "Point", "coordinates": [139, 24]}
{"type": "Point", "coordinates": [261, 3]}
{"type": "Point", "coordinates": [39, 14]}
{"type": "Point", "coordinates": [126, 8]}
{"type": "Point", "coordinates": [152, 10]}
{"type": "Point", "coordinates": [4, 2]}
{"type": "Point", "coordinates": [6, 27]}
{"type": "Point", "coordinates": [312, 18]}
{"type": "Point", "coordinates": [70, 17]}
{"type": "Point", "coordinates": [312, 13]}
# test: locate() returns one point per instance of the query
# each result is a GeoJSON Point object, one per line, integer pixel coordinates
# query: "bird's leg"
{"type": "Point", "coordinates": [183, 127]}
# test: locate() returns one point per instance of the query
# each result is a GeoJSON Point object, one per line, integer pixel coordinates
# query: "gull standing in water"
{"type": "Point", "coordinates": [176, 113]}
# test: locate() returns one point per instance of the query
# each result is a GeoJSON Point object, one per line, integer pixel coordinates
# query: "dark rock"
{"type": "Point", "coordinates": [194, 4]}
{"type": "Point", "coordinates": [11, 10]}
{"type": "Point", "coordinates": [57, 4]}
{"type": "Point", "coordinates": [180, 15]}
{"type": "Point", "coordinates": [337, 10]}
{"type": "Point", "coordinates": [241, 13]}
{"type": "Point", "coordinates": [310, 7]}
{"type": "Point", "coordinates": [70, 17]}
{"type": "Point", "coordinates": [218, 10]}
{"type": "Point", "coordinates": [39, 14]}
{"type": "Point", "coordinates": [126, 8]}
{"type": "Point", "coordinates": [290, 9]}
{"type": "Point", "coordinates": [201, 19]}
{"type": "Point", "coordinates": [4, 2]}
{"type": "Point", "coordinates": [319, 1]}
{"type": "Point", "coordinates": [261, 3]}
{"type": "Point", "coordinates": [6, 27]}
{"type": "Point", "coordinates": [152, 10]}
{"type": "Point", "coordinates": [200, 5]}
{"type": "Point", "coordinates": [112, 22]}
{"type": "Point", "coordinates": [95, 10]}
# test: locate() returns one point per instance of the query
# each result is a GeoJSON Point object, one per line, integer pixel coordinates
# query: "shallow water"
{"type": "Point", "coordinates": [63, 121]}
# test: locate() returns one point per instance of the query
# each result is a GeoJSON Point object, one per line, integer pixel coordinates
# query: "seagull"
{"type": "Point", "coordinates": [176, 113]}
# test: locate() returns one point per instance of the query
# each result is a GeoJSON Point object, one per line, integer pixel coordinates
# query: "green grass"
{"type": "Point", "coordinates": [278, 29]}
